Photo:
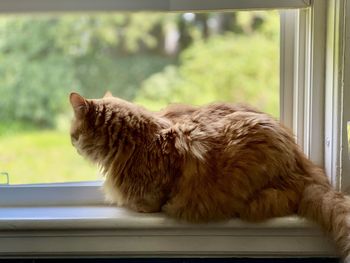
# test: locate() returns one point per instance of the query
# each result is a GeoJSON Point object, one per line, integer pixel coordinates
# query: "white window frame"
{"type": "Point", "coordinates": [318, 85]}
{"type": "Point", "coordinates": [26, 6]}
{"type": "Point", "coordinates": [339, 102]}
{"type": "Point", "coordinates": [302, 76]}
{"type": "Point", "coordinates": [314, 91]}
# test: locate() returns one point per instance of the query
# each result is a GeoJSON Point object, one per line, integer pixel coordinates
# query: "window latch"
{"type": "Point", "coordinates": [6, 181]}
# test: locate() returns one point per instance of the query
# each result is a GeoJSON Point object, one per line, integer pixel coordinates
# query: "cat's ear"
{"type": "Point", "coordinates": [108, 94]}
{"type": "Point", "coordinates": [79, 104]}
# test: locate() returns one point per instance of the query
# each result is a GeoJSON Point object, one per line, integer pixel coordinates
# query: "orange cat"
{"type": "Point", "coordinates": [205, 164]}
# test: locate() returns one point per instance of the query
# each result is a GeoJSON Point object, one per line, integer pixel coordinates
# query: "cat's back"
{"type": "Point", "coordinates": [178, 113]}
{"type": "Point", "coordinates": [240, 121]}
{"type": "Point", "coordinates": [219, 125]}
{"type": "Point", "coordinates": [222, 125]}
{"type": "Point", "coordinates": [220, 112]}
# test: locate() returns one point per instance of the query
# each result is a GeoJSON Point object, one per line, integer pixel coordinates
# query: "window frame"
{"type": "Point", "coordinates": [113, 232]}
{"type": "Point", "coordinates": [319, 86]}
{"type": "Point", "coordinates": [302, 64]}
{"type": "Point", "coordinates": [18, 6]}
{"type": "Point", "coordinates": [340, 154]}
{"type": "Point", "coordinates": [334, 91]}
{"type": "Point", "coordinates": [302, 72]}
{"type": "Point", "coordinates": [33, 231]}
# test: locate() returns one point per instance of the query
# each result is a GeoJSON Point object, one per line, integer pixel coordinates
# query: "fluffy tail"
{"type": "Point", "coordinates": [330, 209]}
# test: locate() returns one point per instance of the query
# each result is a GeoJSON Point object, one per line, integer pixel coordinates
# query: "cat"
{"type": "Point", "coordinates": [204, 164]}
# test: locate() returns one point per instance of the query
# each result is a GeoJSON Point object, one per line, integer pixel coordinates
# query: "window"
{"type": "Point", "coordinates": [313, 95]}
{"type": "Point", "coordinates": [150, 58]}
{"type": "Point", "coordinates": [302, 67]}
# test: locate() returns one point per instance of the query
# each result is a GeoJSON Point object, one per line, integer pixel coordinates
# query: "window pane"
{"type": "Point", "coordinates": [150, 58]}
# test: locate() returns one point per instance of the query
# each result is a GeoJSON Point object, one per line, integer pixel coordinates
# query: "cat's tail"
{"type": "Point", "coordinates": [330, 209]}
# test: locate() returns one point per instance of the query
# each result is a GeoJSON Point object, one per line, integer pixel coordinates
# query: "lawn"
{"type": "Point", "coordinates": [42, 157]}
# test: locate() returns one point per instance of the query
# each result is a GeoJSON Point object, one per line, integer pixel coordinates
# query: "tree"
{"type": "Point", "coordinates": [44, 58]}
{"type": "Point", "coordinates": [234, 68]}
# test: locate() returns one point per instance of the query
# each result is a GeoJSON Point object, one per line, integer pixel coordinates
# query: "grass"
{"type": "Point", "coordinates": [42, 157]}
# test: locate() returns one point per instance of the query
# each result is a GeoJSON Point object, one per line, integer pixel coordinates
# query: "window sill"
{"type": "Point", "coordinates": [109, 231]}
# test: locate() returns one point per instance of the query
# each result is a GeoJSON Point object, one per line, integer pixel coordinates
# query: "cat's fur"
{"type": "Point", "coordinates": [207, 163]}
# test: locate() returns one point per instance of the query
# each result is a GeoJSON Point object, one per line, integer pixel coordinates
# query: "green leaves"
{"type": "Point", "coordinates": [231, 67]}
{"type": "Point", "coordinates": [155, 58]}
{"type": "Point", "coordinates": [43, 58]}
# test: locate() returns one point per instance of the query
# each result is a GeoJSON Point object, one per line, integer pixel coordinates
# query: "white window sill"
{"type": "Point", "coordinates": [109, 231]}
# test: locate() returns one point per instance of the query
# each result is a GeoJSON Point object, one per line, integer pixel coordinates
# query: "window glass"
{"type": "Point", "coordinates": [150, 58]}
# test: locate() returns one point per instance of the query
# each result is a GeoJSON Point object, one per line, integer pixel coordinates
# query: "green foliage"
{"type": "Point", "coordinates": [235, 68]}
{"type": "Point", "coordinates": [44, 58]}
{"type": "Point", "coordinates": [36, 90]}
{"type": "Point", "coordinates": [34, 76]}
{"type": "Point", "coordinates": [122, 75]}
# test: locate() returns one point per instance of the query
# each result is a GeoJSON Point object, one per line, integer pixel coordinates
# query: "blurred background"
{"type": "Point", "coordinates": [151, 59]}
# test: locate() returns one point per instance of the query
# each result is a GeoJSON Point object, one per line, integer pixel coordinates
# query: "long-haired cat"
{"type": "Point", "coordinates": [208, 163]}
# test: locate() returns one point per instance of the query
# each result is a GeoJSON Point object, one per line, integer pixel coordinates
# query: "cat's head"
{"type": "Point", "coordinates": [102, 125]}
{"type": "Point", "coordinates": [87, 126]}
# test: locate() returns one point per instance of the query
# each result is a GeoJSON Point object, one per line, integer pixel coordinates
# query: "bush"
{"type": "Point", "coordinates": [44, 58]}
{"type": "Point", "coordinates": [234, 68]}
{"type": "Point", "coordinates": [122, 75]}
{"type": "Point", "coordinates": [34, 91]}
